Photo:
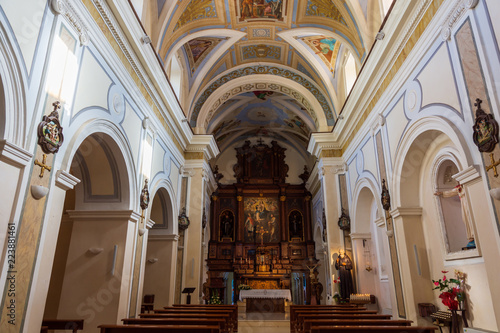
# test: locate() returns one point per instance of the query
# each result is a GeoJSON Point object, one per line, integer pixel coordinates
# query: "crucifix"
{"type": "Point", "coordinates": [260, 141]}
{"type": "Point", "coordinates": [493, 165]}
{"type": "Point", "coordinates": [262, 232]}
{"type": "Point", "coordinates": [43, 165]}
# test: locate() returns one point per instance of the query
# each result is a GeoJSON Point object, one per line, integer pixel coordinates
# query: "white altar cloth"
{"type": "Point", "coordinates": [266, 293]}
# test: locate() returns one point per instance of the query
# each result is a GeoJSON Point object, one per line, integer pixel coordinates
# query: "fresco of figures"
{"type": "Point", "coordinates": [261, 220]}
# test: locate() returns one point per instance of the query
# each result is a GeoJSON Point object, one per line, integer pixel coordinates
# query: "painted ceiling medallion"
{"type": "Point", "coordinates": [325, 48]}
{"type": "Point", "coordinates": [50, 136]}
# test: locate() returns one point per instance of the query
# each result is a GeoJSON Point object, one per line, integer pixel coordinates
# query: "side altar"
{"type": "Point", "coordinates": [260, 227]}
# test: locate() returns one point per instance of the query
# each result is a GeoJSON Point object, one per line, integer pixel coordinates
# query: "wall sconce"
{"type": "Point", "coordinates": [152, 260]}
{"type": "Point", "coordinates": [38, 191]}
{"type": "Point", "coordinates": [142, 231]}
{"type": "Point", "coordinates": [95, 250]}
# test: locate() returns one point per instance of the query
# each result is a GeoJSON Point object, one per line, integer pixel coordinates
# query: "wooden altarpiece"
{"type": "Point", "coordinates": [260, 225]}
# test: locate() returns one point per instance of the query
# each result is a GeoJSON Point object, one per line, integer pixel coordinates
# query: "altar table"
{"type": "Point", "coordinates": [265, 300]}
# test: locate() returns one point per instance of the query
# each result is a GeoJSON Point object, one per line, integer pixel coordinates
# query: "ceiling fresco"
{"type": "Point", "coordinates": [270, 68]}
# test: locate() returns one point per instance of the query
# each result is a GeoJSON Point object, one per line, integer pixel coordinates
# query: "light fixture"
{"type": "Point", "coordinates": [142, 231]}
{"type": "Point", "coordinates": [38, 191]}
{"type": "Point", "coordinates": [495, 193]}
{"type": "Point", "coordinates": [367, 255]}
{"type": "Point", "coordinates": [380, 35]}
{"type": "Point", "coordinates": [146, 39]}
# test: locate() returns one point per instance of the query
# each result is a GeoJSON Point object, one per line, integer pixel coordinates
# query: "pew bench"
{"type": "Point", "coordinates": [294, 309]}
{"type": "Point", "coordinates": [372, 329]}
{"type": "Point", "coordinates": [311, 323]}
{"type": "Point", "coordinates": [63, 324]}
{"type": "Point", "coordinates": [207, 307]}
{"type": "Point", "coordinates": [232, 314]}
{"type": "Point", "coordinates": [299, 323]}
{"type": "Point", "coordinates": [224, 316]}
{"type": "Point", "coordinates": [44, 329]}
{"type": "Point", "coordinates": [221, 322]}
{"type": "Point", "coordinates": [158, 329]}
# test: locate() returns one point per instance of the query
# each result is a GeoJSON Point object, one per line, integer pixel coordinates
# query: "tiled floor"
{"type": "Point", "coordinates": [263, 322]}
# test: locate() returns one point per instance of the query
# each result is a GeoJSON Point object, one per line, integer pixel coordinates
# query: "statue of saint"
{"type": "Point", "coordinates": [344, 265]}
{"type": "Point", "coordinates": [466, 215]}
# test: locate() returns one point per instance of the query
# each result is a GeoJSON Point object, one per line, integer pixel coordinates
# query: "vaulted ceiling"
{"type": "Point", "coordinates": [262, 68]}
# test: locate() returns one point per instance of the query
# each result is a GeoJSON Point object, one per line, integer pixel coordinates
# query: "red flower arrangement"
{"type": "Point", "coordinates": [451, 293]}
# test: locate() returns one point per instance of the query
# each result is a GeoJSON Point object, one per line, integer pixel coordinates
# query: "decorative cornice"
{"type": "Point", "coordinates": [65, 180]}
{"type": "Point", "coordinates": [380, 222]}
{"type": "Point", "coordinates": [149, 223]}
{"type": "Point", "coordinates": [64, 8]}
{"type": "Point", "coordinates": [154, 237]}
{"type": "Point", "coordinates": [454, 16]}
{"type": "Point", "coordinates": [321, 141]}
{"type": "Point", "coordinates": [104, 215]}
{"type": "Point", "coordinates": [205, 144]}
{"type": "Point", "coordinates": [406, 211]}
{"type": "Point", "coordinates": [14, 155]}
{"type": "Point", "coordinates": [361, 235]}
{"type": "Point", "coordinates": [331, 165]}
{"type": "Point", "coordinates": [467, 175]}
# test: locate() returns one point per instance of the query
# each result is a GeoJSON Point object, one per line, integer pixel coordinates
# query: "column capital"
{"type": "Point", "coordinates": [406, 211]}
{"type": "Point", "coordinates": [202, 143]}
{"type": "Point", "coordinates": [14, 155]}
{"type": "Point", "coordinates": [321, 144]}
{"type": "Point", "coordinates": [467, 175]}
{"type": "Point", "coordinates": [331, 165]}
{"type": "Point", "coordinates": [380, 222]}
{"type": "Point", "coordinates": [65, 180]}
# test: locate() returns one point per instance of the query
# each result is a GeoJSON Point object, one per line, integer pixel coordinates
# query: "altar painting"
{"type": "Point", "coordinates": [261, 220]}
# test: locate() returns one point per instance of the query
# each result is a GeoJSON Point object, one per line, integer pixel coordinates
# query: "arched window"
{"type": "Point", "coordinates": [176, 76]}
{"type": "Point", "coordinates": [350, 73]}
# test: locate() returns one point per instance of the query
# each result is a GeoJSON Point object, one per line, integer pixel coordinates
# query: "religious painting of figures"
{"type": "Point", "coordinates": [295, 226]}
{"type": "Point", "coordinates": [197, 49]}
{"type": "Point", "coordinates": [261, 220]}
{"type": "Point", "coordinates": [260, 165]}
{"type": "Point", "coordinates": [226, 225]}
{"type": "Point", "coordinates": [326, 48]}
{"type": "Point", "coordinates": [260, 9]}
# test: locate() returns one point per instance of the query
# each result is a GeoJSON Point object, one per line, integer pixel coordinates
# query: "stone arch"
{"type": "Point", "coordinates": [164, 188]}
{"type": "Point", "coordinates": [365, 195]}
{"type": "Point", "coordinates": [13, 87]}
{"type": "Point", "coordinates": [421, 136]}
{"type": "Point", "coordinates": [118, 145]}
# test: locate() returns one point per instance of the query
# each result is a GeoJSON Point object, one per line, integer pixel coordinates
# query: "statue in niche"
{"type": "Point", "coordinates": [466, 215]}
{"type": "Point", "coordinates": [295, 224]}
{"type": "Point", "coordinates": [344, 265]}
{"type": "Point", "coordinates": [227, 224]}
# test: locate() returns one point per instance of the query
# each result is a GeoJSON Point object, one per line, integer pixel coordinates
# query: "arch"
{"type": "Point", "coordinates": [413, 147]}
{"type": "Point", "coordinates": [365, 191]}
{"type": "Point", "coordinates": [13, 87]}
{"type": "Point", "coordinates": [119, 147]}
{"type": "Point", "coordinates": [199, 115]}
{"type": "Point", "coordinates": [162, 184]}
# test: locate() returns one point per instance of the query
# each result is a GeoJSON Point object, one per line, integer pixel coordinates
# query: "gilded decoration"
{"type": "Point", "coordinates": [261, 220]}
{"type": "Point", "coordinates": [326, 48]}
{"type": "Point", "coordinates": [266, 284]}
{"type": "Point", "coordinates": [196, 10]}
{"type": "Point", "coordinates": [197, 50]}
{"type": "Point", "coordinates": [272, 70]}
{"type": "Point", "coordinates": [260, 9]}
{"type": "Point", "coordinates": [324, 8]}
{"type": "Point", "coordinates": [260, 51]}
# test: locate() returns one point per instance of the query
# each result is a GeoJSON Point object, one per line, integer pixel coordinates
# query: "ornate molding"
{"type": "Point", "coordinates": [406, 211]}
{"type": "Point", "coordinates": [104, 215]}
{"type": "Point", "coordinates": [467, 175]}
{"type": "Point", "coordinates": [454, 16]}
{"type": "Point", "coordinates": [361, 235]}
{"type": "Point", "coordinates": [64, 8]}
{"type": "Point", "coordinates": [150, 223]}
{"type": "Point", "coordinates": [65, 180]}
{"type": "Point", "coordinates": [380, 222]}
{"type": "Point", "coordinates": [14, 155]}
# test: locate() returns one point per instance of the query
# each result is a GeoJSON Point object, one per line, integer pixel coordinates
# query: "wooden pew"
{"type": "Point", "coordinates": [221, 322]}
{"type": "Point", "coordinates": [373, 329]}
{"type": "Point", "coordinates": [309, 323]}
{"type": "Point", "coordinates": [233, 315]}
{"type": "Point", "coordinates": [63, 324]}
{"type": "Point", "coordinates": [158, 329]}
{"type": "Point", "coordinates": [210, 307]}
{"type": "Point", "coordinates": [299, 323]}
{"type": "Point", "coordinates": [44, 329]}
{"type": "Point", "coordinates": [294, 309]}
{"type": "Point", "coordinates": [225, 316]}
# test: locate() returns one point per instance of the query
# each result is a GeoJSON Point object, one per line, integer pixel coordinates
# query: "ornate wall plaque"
{"type": "Point", "coordinates": [50, 136]}
{"type": "Point", "coordinates": [344, 221]}
{"type": "Point", "coordinates": [145, 196]}
{"type": "Point", "coordinates": [385, 197]}
{"type": "Point", "coordinates": [183, 220]}
{"type": "Point", "coordinates": [485, 129]}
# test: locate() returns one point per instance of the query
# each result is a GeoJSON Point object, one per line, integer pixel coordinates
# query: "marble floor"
{"type": "Point", "coordinates": [263, 322]}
